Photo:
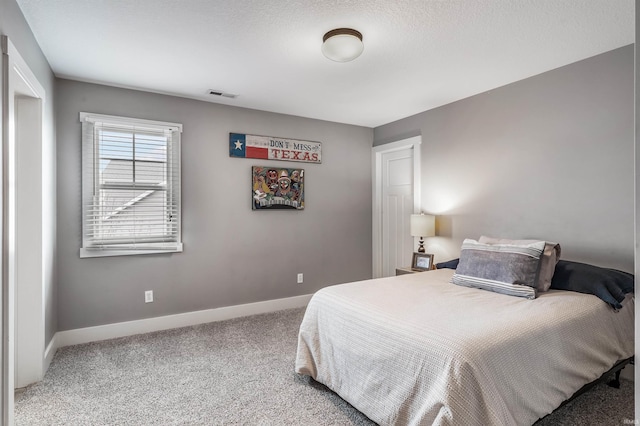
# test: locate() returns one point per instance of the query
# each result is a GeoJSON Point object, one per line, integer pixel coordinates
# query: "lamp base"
{"type": "Point", "coordinates": [421, 245]}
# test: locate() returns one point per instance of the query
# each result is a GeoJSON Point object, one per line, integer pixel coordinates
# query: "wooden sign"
{"type": "Point", "coordinates": [273, 148]}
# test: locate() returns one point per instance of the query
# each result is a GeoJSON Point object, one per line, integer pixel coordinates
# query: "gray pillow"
{"type": "Point", "coordinates": [504, 268]}
{"type": "Point", "coordinates": [550, 258]}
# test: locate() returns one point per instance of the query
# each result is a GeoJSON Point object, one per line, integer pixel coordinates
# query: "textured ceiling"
{"type": "Point", "coordinates": [418, 54]}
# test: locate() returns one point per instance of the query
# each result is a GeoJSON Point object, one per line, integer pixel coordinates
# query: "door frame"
{"type": "Point", "coordinates": [376, 158]}
{"type": "Point", "coordinates": [18, 81]}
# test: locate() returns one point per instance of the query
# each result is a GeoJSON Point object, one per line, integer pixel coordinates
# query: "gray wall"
{"type": "Point", "coordinates": [549, 157]}
{"type": "Point", "coordinates": [232, 255]}
{"type": "Point", "coordinates": [13, 25]}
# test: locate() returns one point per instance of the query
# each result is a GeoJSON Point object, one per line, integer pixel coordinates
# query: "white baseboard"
{"type": "Point", "coordinates": [52, 347]}
{"type": "Point", "coordinates": [129, 328]}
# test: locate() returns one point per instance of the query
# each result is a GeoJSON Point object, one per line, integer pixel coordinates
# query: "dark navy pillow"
{"type": "Point", "coordinates": [609, 285]}
{"type": "Point", "coordinates": [451, 264]}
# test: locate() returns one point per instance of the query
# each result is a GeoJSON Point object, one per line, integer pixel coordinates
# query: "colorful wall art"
{"type": "Point", "coordinates": [277, 188]}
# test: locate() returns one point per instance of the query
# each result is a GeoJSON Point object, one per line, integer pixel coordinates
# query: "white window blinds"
{"type": "Point", "coordinates": [130, 185]}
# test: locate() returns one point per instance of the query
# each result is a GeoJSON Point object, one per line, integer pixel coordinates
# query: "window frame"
{"type": "Point", "coordinates": [90, 172]}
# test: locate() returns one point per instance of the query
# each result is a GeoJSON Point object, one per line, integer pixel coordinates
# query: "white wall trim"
{"type": "Point", "coordinates": [52, 347]}
{"type": "Point", "coordinates": [129, 328]}
{"type": "Point", "coordinates": [22, 246]}
{"type": "Point", "coordinates": [376, 167]}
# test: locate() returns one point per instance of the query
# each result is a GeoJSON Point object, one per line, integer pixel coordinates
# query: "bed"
{"type": "Point", "coordinates": [417, 349]}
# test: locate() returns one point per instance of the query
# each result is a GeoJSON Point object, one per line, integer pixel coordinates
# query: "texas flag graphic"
{"type": "Point", "coordinates": [273, 148]}
{"type": "Point", "coordinates": [248, 146]}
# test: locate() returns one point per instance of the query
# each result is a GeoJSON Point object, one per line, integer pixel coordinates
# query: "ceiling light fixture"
{"type": "Point", "coordinates": [342, 44]}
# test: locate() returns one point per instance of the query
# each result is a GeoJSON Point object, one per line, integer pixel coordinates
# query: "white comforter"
{"type": "Point", "coordinates": [416, 349]}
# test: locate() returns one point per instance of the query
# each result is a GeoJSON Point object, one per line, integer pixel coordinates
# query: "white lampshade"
{"type": "Point", "coordinates": [342, 45]}
{"type": "Point", "coordinates": [423, 225]}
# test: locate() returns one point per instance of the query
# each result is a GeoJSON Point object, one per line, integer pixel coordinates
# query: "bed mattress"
{"type": "Point", "coordinates": [417, 349]}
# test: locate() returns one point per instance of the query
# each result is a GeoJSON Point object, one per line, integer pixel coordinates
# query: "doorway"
{"type": "Point", "coordinates": [396, 195]}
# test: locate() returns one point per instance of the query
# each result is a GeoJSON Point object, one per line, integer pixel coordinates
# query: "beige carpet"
{"type": "Point", "coordinates": [237, 372]}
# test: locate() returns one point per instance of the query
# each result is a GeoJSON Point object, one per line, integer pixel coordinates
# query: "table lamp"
{"type": "Point", "coordinates": [422, 225]}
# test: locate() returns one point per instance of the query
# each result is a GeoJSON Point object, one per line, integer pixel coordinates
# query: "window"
{"type": "Point", "coordinates": [130, 186]}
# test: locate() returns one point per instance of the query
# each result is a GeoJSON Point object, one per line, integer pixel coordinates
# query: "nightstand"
{"type": "Point", "coordinates": [405, 270]}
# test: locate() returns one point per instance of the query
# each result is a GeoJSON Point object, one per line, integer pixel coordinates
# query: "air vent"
{"type": "Point", "coordinates": [221, 93]}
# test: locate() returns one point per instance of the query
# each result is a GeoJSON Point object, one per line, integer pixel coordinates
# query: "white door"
{"type": "Point", "coordinates": [397, 207]}
{"type": "Point", "coordinates": [396, 197]}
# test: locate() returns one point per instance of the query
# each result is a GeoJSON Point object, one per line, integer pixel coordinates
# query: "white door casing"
{"type": "Point", "coordinates": [396, 195]}
{"type": "Point", "coordinates": [23, 330]}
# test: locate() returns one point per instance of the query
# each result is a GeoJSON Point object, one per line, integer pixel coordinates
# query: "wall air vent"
{"type": "Point", "coordinates": [221, 93]}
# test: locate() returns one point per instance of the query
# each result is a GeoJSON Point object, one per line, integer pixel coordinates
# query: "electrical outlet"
{"type": "Point", "coordinates": [148, 296]}
{"type": "Point", "coordinates": [300, 278]}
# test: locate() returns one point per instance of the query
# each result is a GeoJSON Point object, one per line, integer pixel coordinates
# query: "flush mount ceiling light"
{"type": "Point", "coordinates": [342, 44]}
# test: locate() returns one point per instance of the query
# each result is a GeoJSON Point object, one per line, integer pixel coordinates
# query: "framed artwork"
{"type": "Point", "coordinates": [277, 188]}
{"type": "Point", "coordinates": [422, 262]}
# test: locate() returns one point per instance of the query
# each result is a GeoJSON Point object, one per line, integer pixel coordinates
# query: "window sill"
{"type": "Point", "coordinates": [86, 253]}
